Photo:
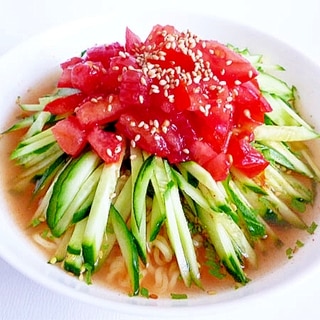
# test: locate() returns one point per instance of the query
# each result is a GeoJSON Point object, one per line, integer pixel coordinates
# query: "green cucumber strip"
{"type": "Point", "coordinates": [120, 203]}
{"type": "Point", "coordinates": [283, 113]}
{"type": "Point", "coordinates": [246, 182]}
{"type": "Point", "coordinates": [67, 185]}
{"type": "Point", "coordinates": [295, 163]}
{"type": "Point", "coordinates": [272, 84]}
{"type": "Point", "coordinates": [61, 250]}
{"type": "Point", "coordinates": [174, 236]}
{"type": "Point", "coordinates": [159, 182]}
{"type": "Point", "coordinates": [49, 173]}
{"type": "Point", "coordinates": [140, 190]}
{"type": "Point", "coordinates": [214, 193]}
{"type": "Point", "coordinates": [37, 126]}
{"type": "Point", "coordinates": [280, 184]}
{"type": "Point", "coordinates": [184, 232]}
{"type": "Point", "coordinates": [98, 216]}
{"type": "Point", "coordinates": [284, 133]}
{"type": "Point", "coordinates": [22, 123]}
{"type": "Point", "coordinates": [139, 210]}
{"type": "Point", "coordinates": [75, 243]}
{"type": "Point", "coordinates": [281, 209]}
{"type": "Point", "coordinates": [222, 242]}
{"type": "Point", "coordinates": [85, 194]}
{"type": "Point", "coordinates": [192, 192]}
{"type": "Point", "coordinates": [34, 107]}
{"type": "Point", "coordinates": [52, 151]}
{"type": "Point", "coordinates": [34, 143]}
{"type": "Point", "coordinates": [73, 263]}
{"type": "Point", "coordinates": [252, 223]}
{"type": "Point", "coordinates": [128, 248]}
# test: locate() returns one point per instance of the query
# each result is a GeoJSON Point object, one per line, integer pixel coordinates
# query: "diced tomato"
{"type": "Point", "coordinates": [250, 105]}
{"type": "Point", "coordinates": [133, 41]}
{"type": "Point", "coordinates": [88, 76]}
{"type": "Point", "coordinates": [213, 118]}
{"type": "Point", "coordinates": [217, 164]}
{"type": "Point", "coordinates": [158, 133]}
{"type": "Point", "coordinates": [245, 157]}
{"type": "Point", "coordinates": [226, 64]}
{"type": "Point", "coordinates": [65, 104]}
{"type": "Point", "coordinates": [108, 145]}
{"type": "Point", "coordinates": [70, 135]}
{"type": "Point", "coordinates": [156, 37]}
{"type": "Point", "coordinates": [65, 78]}
{"type": "Point", "coordinates": [99, 110]}
{"type": "Point", "coordinates": [113, 77]}
{"type": "Point", "coordinates": [104, 53]}
{"type": "Point", "coordinates": [134, 89]}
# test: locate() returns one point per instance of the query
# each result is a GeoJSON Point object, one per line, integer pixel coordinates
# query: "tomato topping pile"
{"type": "Point", "coordinates": [173, 95]}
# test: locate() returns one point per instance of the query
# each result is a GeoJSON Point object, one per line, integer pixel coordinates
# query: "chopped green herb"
{"type": "Point", "coordinates": [144, 292]}
{"type": "Point", "coordinates": [179, 296]}
{"type": "Point", "coordinates": [312, 228]}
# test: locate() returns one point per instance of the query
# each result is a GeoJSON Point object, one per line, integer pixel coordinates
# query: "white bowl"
{"type": "Point", "coordinates": [24, 68]}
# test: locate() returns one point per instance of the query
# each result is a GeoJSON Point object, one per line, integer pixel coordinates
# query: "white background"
{"type": "Point", "coordinates": [294, 22]}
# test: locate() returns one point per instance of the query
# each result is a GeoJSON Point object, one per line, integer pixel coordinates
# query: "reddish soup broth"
{"type": "Point", "coordinates": [160, 277]}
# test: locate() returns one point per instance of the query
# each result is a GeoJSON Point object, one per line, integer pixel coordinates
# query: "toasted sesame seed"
{"type": "Point", "coordinates": [141, 124]}
{"type": "Point", "coordinates": [122, 54]}
{"type": "Point", "coordinates": [247, 113]}
{"type": "Point", "coordinates": [119, 138]}
{"type": "Point", "coordinates": [141, 98]}
{"type": "Point", "coordinates": [132, 123]}
{"type": "Point", "coordinates": [162, 82]}
{"type": "Point", "coordinates": [164, 129]}
{"type": "Point", "coordinates": [109, 152]}
{"type": "Point", "coordinates": [143, 81]}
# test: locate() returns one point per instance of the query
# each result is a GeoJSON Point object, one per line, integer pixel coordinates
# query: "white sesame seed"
{"type": "Point", "coordinates": [156, 123]}
{"type": "Point", "coordinates": [229, 62]}
{"type": "Point", "coordinates": [94, 100]}
{"type": "Point", "coordinates": [109, 108]}
{"type": "Point", "coordinates": [122, 54]}
{"type": "Point", "coordinates": [162, 82]}
{"type": "Point", "coordinates": [133, 143]}
{"type": "Point", "coordinates": [109, 152]}
{"type": "Point", "coordinates": [186, 151]}
{"type": "Point", "coordinates": [250, 73]}
{"type": "Point", "coordinates": [143, 81]}
{"type": "Point", "coordinates": [137, 137]}
{"type": "Point", "coordinates": [141, 98]}
{"type": "Point", "coordinates": [237, 82]}
{"type": "Point", "coordinates": [119, 138]}
{"type": "Point", "coordinates": [141, 124]}
{"type": "Point", "coordinates": [132, 124]}
{"type": "Point", "coordinates": [222, 71]}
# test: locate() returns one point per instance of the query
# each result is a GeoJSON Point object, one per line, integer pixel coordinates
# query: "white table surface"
{"type": "Point", "coordinates": [296, 22]}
